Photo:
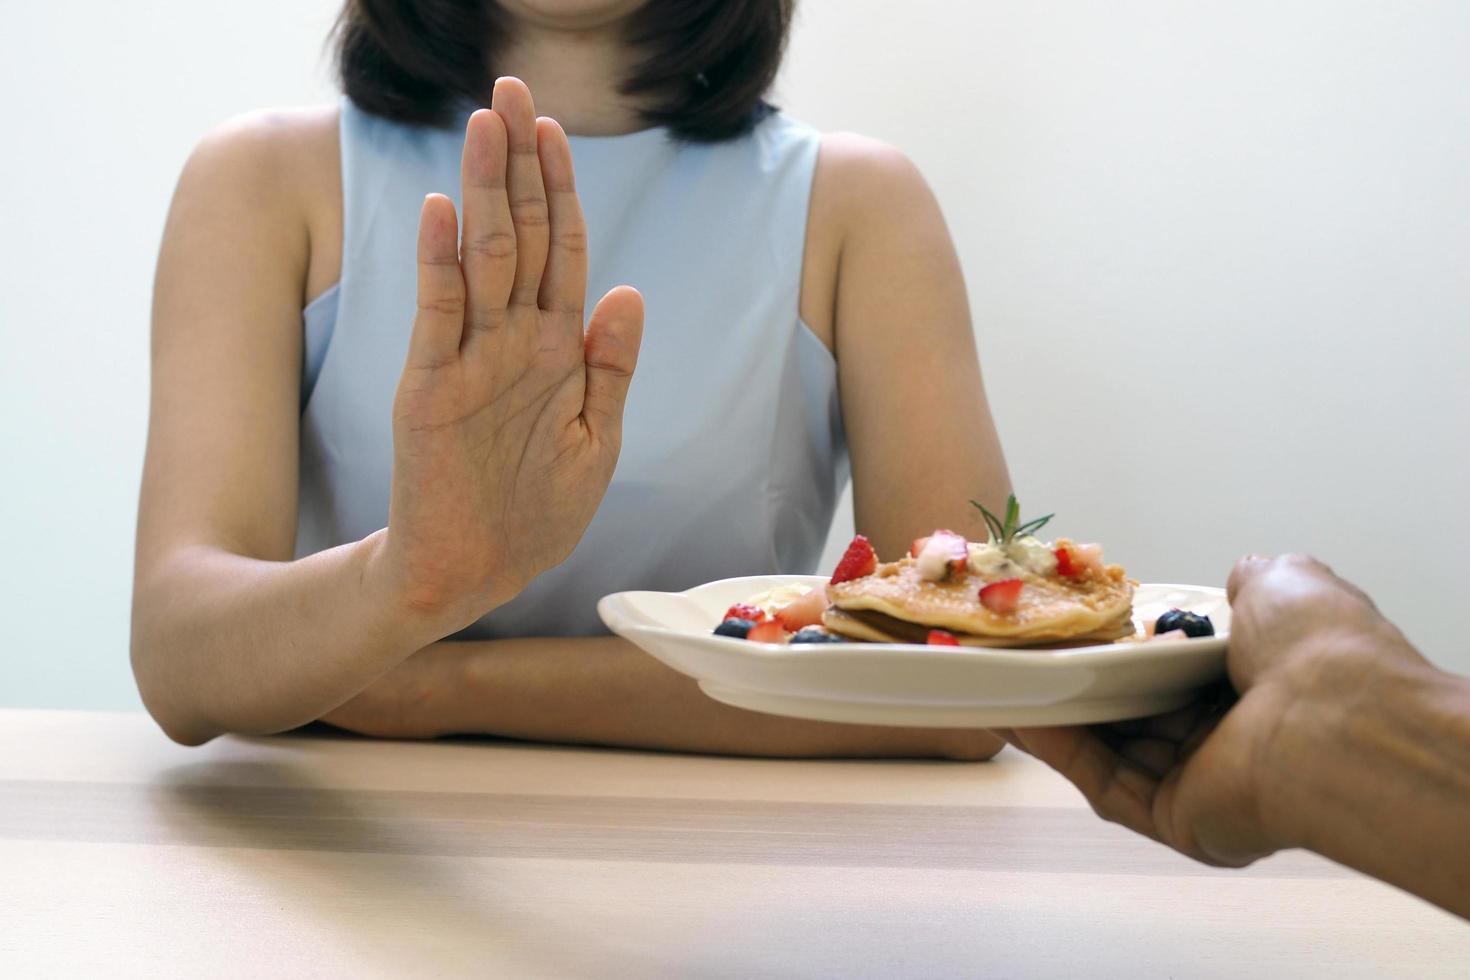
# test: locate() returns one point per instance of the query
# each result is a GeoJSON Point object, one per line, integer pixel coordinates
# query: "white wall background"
{"type": "Point", "coordinates": [1218, 253]}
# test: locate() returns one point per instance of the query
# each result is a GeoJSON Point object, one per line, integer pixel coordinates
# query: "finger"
{"type": "Point", "coordinates": [1203, 729]}
{"type": "Point", "coordinates": [1312, 569]}
{"type": "Point", "coordinates": [1012, 739]}
{"type": "Point", "coordinates": [1308, 563]}
{"type": "Point", "coordinates": [1155, 756]}
{"type": "Point", "coordinates": [611, 350]}
{"type": "Point", "coordinates": [564, 282]}
{"type": "Point", "coordinates": [439, 322]}
{"type": "Point", "coordinates": [1118, 790]}
{"type": "Point", "coordinates": [488, 248]}
{"type": "Point", "coordinates": [1174, 726]}
{"type": "Point", "coordinates": [1244, 571]}
{"type": "Point", "coordinates": [527, 195]}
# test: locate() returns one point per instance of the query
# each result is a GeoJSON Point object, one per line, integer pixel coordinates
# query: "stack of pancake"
{"type": "Point", "coordinates": [897, 605]}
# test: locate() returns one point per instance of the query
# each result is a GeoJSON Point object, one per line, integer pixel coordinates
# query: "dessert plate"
{"type": "Point", "coordinates": [932, 686]}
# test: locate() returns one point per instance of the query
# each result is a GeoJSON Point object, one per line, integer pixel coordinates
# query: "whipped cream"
{"type": "Point", "coordinates": [989, 560]}
{"type": "Point", "coordinates": [1037, 557]}
{"type": "Point", "coordinates": [934, 558]}
{"type": "Point", "coordinates": [773, 599]}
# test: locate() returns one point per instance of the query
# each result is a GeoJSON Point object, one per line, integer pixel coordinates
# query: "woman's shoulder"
{"type": "Point", "coordinates": [272, 152]}
{"type": "Point", "coordinates": [858, 178]}
{"type": "Point", "coordinates": [863, 190]}
{"type": "Point", "coordinates": [281, 167]}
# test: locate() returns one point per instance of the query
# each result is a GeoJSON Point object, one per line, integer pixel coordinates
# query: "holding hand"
{"type": "Point", "coordinates": [1216, 780]}
{"type": "Point", "coordinates": [508, 419]}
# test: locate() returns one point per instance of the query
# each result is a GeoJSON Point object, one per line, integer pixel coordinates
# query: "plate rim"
{"type": "Point", "coordinates": [614, 607]}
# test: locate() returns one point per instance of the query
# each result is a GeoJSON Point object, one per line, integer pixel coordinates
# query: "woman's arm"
{"type": "Point", "coordinates": [506, 429]}
{"type": "Point", "coordinates": [913, 403]}
{"type": "Point", "coordinates": [228, 634]}
{"type": "Point", "coordinates": [898, 320]}
{"type": "Point", "coordinates": [605, 691]}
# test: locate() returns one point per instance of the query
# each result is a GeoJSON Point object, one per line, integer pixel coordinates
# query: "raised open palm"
{"type": "Point", "coordinates": [508, 418]}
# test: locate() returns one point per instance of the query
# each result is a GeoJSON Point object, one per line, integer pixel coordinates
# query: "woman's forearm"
{"type": "Point", "coordinates": [223, 643]}
{"type": "Point", "coordinates": [604, 691]}
{"type": "Point", "coordinates": [1380, 780]}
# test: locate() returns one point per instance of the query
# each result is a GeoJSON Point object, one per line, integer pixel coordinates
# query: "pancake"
{"type": "Point", "coordinates": [1095, 607]}
{"type": "Point", "coordinates": [875, 627]}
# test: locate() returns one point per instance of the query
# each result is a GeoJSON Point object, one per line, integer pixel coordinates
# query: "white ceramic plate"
{"type": "Point", "coordinates": [936, 686]}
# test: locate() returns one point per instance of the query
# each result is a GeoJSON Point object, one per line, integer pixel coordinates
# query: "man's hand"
{"type": "Point", "coordinates": [1211, 780]}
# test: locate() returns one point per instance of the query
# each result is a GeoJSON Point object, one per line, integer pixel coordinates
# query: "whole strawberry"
{"type": "Point", "coordinates": [859, 560]}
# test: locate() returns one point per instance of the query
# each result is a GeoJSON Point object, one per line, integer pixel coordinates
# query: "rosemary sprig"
{"type": "Point", "coordinates": [1004, 532]}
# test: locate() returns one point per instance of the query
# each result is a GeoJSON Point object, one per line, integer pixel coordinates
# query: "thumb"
{"type": "Point", "coordinates": [1246, 569]}
{"type": "Point", "coordinates": [611, 353]}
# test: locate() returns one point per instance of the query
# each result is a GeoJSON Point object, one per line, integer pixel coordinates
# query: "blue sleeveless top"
{"type": "Point", "coordinates": [733, 452]}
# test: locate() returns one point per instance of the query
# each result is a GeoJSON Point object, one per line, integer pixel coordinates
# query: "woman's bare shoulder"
{"type": "Point", "coordinates": [281, 167]}
{"type": "Point", "coordinates": [851, 167]}
{"type": "Point", "coordinates": [862, 188]}
{"type": "Point", "coordinates": [278, 154]}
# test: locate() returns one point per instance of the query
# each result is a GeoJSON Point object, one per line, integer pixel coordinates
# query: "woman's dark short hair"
{"type": "Point", "coordinates": [705, 67]}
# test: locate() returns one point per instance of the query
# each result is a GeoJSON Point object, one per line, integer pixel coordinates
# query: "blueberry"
{"type": "Point", "coordinates": [1193, 624]}
{"type": "Point", "coordinates": [737, 628]}
{"type": "Point", "coordinates": [815, 634]}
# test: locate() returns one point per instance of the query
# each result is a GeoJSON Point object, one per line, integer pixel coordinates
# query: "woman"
{"type": "Point", "coordinates": [335, 483]}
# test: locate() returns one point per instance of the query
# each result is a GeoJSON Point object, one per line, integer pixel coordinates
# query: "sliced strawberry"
{"type": "Point", "coordinates": [804, 610]}
{"type": "Point", "coordinates": [859, 560]}
{"type": "Point", "coordinates": [767, 632]}
{"type": "Point", "coordinates": [744, 610]}
{"type": "Point", "coordinates": [1078, 560]}
{"type": "Point", "coordinates": [942, 638]}
{"type": "Point", "coordinates": [1001, 597]}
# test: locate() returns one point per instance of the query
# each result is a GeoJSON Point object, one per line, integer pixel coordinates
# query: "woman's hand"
{"type": "Point", "coordinates": [508, 420]}
{"type": "Point", "coordinates": [1214, 781]}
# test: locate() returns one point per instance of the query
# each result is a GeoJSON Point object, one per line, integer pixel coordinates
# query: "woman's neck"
{"type": "Point", "coordinates": [574, 73]}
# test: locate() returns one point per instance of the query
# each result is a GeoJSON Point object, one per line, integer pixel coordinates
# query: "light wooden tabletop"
{"type": "Point", "coordinates": [122, 854]}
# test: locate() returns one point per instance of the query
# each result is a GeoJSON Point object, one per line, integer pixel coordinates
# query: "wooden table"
{"type": "Point", "coordinates": [122, 854]}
